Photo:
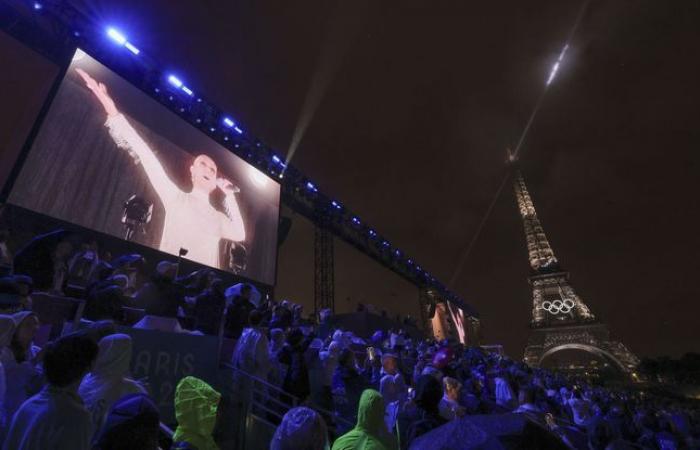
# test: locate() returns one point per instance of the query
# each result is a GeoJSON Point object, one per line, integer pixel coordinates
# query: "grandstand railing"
{"type": "Point", "coordinates": [258, 409]}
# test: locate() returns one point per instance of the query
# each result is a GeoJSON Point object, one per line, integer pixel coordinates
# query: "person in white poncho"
{"type": "Point", "coordinates": [109, 379]}
{"type": "Point", "coordinates": [191, 222]}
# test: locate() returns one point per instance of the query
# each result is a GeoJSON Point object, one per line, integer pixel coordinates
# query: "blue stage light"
{"type": "Point", "coordinates": [175, 81]}
{"type": "Point", "coordinates": [356, 221]}
{"type": "Point", "coordinates": [372, 233]}
{"type": "Point", "coordinates": [385, 243]}
{"type": "Point", "coordinates": [238, 130]}
{"type": "Point", "coordinates": [310, 186]}
{"type": "Point", "coordinates": [276, 159]}
{"type": "Point", "coordinates": [116, 36]}
{"type": "Point", "coordinates": [131, 48]}
{"type": "Point", "coordinates": [38, 6]}
{"type": "Point", "coordinates": [336, 205]}
{"type": "Point", "coordinates": [187, 91]}
{"type": "Point", "coordinates": [409, 262]}
{"type": "Point", "coordinates": [397, 252]}
{"type": "Point", "coordinates": [228, 122]}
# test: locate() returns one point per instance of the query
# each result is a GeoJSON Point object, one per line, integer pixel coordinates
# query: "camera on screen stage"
{"type": "Point", "coordinates": [136, 215]}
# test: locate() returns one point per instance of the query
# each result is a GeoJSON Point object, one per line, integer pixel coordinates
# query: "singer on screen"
{"type": "Point", "coordinates": [191, 221]}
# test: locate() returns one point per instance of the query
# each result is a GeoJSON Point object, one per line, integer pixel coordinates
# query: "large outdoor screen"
{"type": "Point", "coordinates": [110, 158]}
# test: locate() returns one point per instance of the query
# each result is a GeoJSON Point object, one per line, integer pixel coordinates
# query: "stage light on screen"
{"type": "Point", "coordinates": [38, 6]}
{"type": "Point", "coordinates": [116, 36]}
{"type": "Point", "coordinates": [175, 81]}
{"type": "Point", "coordinates": [131, 48]}
{"type": "Point", "coordinates": [228, 122]}
{"type": "Point", "coordinates": [258, 178]}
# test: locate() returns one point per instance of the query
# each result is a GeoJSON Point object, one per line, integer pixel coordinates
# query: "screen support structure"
{"type": "Point", "coordinates": [324, 282]}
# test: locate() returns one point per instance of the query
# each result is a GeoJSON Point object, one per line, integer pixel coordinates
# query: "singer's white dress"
{"type": "Point", "coordinates": [191, 222]}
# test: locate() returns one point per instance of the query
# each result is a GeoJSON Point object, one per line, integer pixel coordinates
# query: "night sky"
{"type": "Point", "coordinates": [423, 98]}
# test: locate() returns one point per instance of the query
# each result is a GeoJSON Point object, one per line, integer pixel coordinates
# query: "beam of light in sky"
{"type": "Point", "coordinates": [341, 29]}
{"type": "Point", "coordinates": [555, 68]}
{"type": "Point", "coordinates": [514, 155]}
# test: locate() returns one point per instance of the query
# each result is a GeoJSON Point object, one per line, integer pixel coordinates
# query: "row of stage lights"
{"type": "Point", "coordinates": [279, 166]}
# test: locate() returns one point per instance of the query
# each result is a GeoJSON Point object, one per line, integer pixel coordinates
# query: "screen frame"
{"type": "Point", "coordinates": [64, 66]}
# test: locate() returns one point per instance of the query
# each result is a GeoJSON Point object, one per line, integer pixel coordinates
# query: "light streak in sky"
{"type": "Point", "coordinates": [555, 68]}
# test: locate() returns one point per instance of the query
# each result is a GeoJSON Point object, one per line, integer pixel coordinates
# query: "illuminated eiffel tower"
{"type": "Point", "coordinates": [562, 325]}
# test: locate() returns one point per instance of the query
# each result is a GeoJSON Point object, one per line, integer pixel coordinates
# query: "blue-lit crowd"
{"type": "Point", "coordinates": [385, 391]}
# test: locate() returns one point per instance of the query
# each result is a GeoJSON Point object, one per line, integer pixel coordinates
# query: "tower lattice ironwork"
{"type": "Point", "coordinates": [560, 319]}
{"type": "Point", "coordinates": [324, 283]}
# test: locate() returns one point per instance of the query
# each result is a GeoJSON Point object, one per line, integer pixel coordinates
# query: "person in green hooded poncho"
{"type": "Point", "coordinates": [370, 432]}
{"type": "Point", "coordinates": [196, 406]}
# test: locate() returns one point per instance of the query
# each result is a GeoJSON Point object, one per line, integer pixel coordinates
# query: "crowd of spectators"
{"type": "Point", "coordinates": [381, 392]}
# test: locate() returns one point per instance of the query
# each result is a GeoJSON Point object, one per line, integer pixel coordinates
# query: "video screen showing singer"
{"type": "Point", "coordinates": [190, 221]}
{"type": "Point", "coordinates": [107, 157]}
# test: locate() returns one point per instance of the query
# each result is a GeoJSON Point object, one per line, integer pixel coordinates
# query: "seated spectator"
{"type": "Point", "coordinates": [132, 423]}
{"type": "Point", "coordinates": [5, 253]}
{"type": "Point", "coordinates": [21, 362]}
{"type": "Point", "coordinates": [109, 379]}
{"type": "Point", "coordinates": [25, 286]}
{"type": "Point", "coordinates": [449, 405]}
{"type": "Point", "coordinates": [252, 350]}
{"type": "Point", "coordinates": [10, 298]}
{"type": "Point", "coordinates": [56, 417]}
{"type": "Point", "coordinates": [301, 429]}
{"type": "Point", "coordinates": [105, 303]}
{"type": "Point", "coordinates": [277, 370]}
{"type": "Point", "coordinates": [348, 385]}
{"type": "Point", "coordinates": [7, 329]}
{"type": "Point", "coordinates": [161, 297]}
{"type": "Point", "coordinates": [370, 431]}
{"type": "Point", "coordinates": [209, 307]}
{"type": "Point", "coordinates": [526, 400]}
{"type": "Point", "coordinates": [293, 355]}
{"type": "Point", "coordinates": [504, 394]}
{"type": "Point", "coordinates": [392, 385]}
{"type": "Point", "coordinates": [580, 408]}
{"type": "Point", "coordinates": [196, 405]}
{"type": "Point", "coordinates": [238, 310]}
{"type": "Point", "coordinates": [426, 414]}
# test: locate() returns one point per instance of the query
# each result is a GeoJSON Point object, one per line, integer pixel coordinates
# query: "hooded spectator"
{"type": "Point", "coordinates": [21, 362]}
{"type": "Point", "coordinates": [196, 406]}
{"type": "Point", "coordinates": [56, 417]}
{"type": "Point", "coordinates": [370, 432]}
{"type": "Point", "coordinates": [301, 429]}
{"type": "Point", "coordinates": [252, 350]}
{"type": "Point", "coordinates": [132, 423]}
{"type": "Point", "coordinates": [109, 379]}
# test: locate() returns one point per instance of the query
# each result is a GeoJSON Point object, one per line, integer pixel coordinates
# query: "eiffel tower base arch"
{"type": "Point", "coordinates": [593, 338]}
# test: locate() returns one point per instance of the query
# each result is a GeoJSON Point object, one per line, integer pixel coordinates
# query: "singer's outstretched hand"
{"type": "Point", "coordinates": [100, 91]}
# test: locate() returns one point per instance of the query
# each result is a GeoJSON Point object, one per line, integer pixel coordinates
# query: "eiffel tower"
{"type": "Point", "coordinates": [560, 319]}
